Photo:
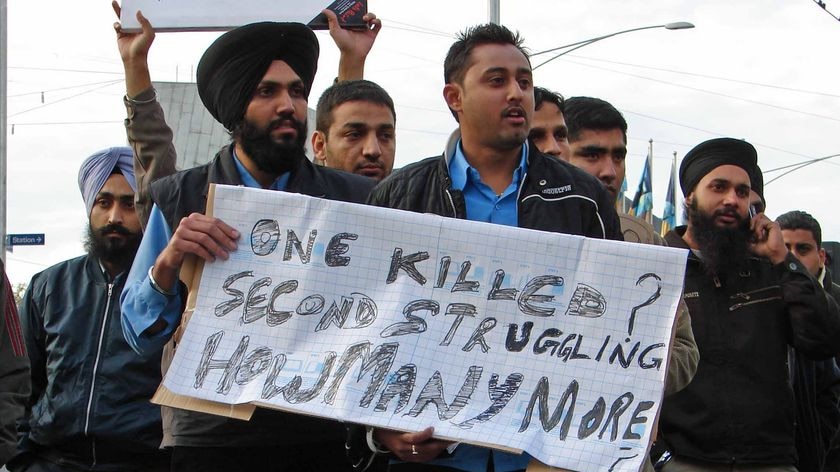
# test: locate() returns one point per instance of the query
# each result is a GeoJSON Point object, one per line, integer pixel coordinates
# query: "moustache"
{"type": "Point", "coordinates": [281, 121]}
{"type": "Point", "coordinates": [727, 212]}
{"type": "Point", "coordinates": [513, 111]}
{"type": "Point", "coordinates": [114, 228]}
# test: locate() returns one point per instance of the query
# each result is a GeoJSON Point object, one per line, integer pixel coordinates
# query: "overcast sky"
{"type": "Point", "coordinates": [764, 71]}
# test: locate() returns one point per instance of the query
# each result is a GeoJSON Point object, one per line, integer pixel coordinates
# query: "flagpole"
{"type": "Point", "coordinates": [649, 216]}
{"type": "Point", "coordinates": [674, 189]}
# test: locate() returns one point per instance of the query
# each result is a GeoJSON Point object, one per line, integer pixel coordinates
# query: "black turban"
{"type": "Point", "coordinates": [713, 153]}
{"type": "Point", "coordinates": [233, 66]}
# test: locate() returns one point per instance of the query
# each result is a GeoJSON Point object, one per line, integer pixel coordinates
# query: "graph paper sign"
{"type": "Point", "coordinates": [521, 339]}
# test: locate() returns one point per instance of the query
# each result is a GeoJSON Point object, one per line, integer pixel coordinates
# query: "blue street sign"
{"type": "Point", "coordinates": [25, 239]}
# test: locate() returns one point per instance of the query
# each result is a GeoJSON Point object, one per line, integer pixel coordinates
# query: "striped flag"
{"type": "Point", "coordinates": [642, 205]}
{"type": "Point", "coordinates": [669, 214]}
{"type": "Point", "coordinates": [620, 205]}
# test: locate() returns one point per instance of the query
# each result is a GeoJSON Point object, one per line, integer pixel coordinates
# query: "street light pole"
{"type": "Point", "coordinates": [493, 13]}
{"type": "Point", "coordinates": [586, 42]}
{"type": "Point", "coordinates": [3, 173]}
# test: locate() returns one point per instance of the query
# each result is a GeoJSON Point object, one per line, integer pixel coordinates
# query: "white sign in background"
{"type": "Point", "coordinates": [185, 15]}
{"type": "Point", "coordinates": [548, 343]}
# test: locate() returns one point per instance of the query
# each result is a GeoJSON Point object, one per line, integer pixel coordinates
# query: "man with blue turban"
{"type": "Point", "coordinates": [89, 407]}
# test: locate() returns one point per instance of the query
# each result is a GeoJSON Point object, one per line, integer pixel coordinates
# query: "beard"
{"type": "Point", "coordinates": [273, 156]}
{"type": "Point", "coordinates": [117, 251]}
{"type": "Point", "coordinates": [723, 250]}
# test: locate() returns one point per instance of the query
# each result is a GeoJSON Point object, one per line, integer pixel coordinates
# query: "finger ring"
{"type": "Point", "coordinates": [414, 450]}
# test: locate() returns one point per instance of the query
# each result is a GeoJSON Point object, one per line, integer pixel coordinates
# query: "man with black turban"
{"type": "Point", "coordinates": [750, 299]}
{"type": "Point", "coordinates": [152, 139]}
{"type": "Point", "coordinates": [89, 407]}
{"type": "Point", "coordinates": [255, 80]}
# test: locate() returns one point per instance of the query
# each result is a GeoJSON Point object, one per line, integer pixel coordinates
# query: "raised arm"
{"type": "Point", "coordinates": [354, 45]}
{"type": "Point", "coordinates": [145, 126]}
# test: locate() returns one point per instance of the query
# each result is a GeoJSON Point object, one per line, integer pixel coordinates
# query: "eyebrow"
{"type": "Point", "coordinates": [593, 149]}
{"type": "Point", "coordinates": [729, 182]}
{"type": "Point", "coordinates": [363, 125]}
{"type": "Point", "coordinates": [276, 83]}
{"type": "Point", "coordinates": [520, 70]}
{"type": "Point", "coordinates": [123, 197]}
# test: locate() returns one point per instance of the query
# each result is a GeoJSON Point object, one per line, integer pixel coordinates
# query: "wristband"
{"type": "Point", "coordinates": [372, 445]}
{"type": "Point", "coordinates": [157, 287]}
{"type": "Point", "coordinates": [142, 102]}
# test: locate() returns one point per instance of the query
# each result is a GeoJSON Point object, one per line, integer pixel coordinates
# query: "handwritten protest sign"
{"type": "Point", "coordinates": [547, 343]}
{"type": "Point", "coordinates": [204, 15]}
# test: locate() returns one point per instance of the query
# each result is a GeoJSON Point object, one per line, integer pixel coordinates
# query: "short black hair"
{"type": "Point", "coordinates": [797, 219]}
{"type": "Point", "coordinates": [592, 113]}
{"type": "Point", "coordinates": [349, 91]}
{"type": "Point", "coordinates": [543, 95]}
{"type": "Point", "coordinates": [457, 59]}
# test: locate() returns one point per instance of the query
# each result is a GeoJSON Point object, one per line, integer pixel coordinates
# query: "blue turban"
{"type": "Point", "coordinates": [97, 168]}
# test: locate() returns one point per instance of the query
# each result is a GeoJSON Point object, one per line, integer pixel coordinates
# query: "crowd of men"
{"type": "Point", "coordinates": [751, 385]}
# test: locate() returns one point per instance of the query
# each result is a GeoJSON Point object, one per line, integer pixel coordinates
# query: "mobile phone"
{"type": "Point", "coordinates": [753, 211]}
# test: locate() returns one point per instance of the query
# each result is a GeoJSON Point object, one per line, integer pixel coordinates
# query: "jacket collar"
{"type": "Point", "coordinates": [451, 145]}
{"type": "Point", "coordinates": [674, 238]}
{"type": "Point", "coordinates": [304, 178]}
{"type": "Point", "coordinates": [96, 272]}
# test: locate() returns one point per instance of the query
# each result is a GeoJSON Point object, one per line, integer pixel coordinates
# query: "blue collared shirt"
{"type": "Point", "coordinates": [142, 305]}
{"type": "Point", "coordinates": [483, 204]}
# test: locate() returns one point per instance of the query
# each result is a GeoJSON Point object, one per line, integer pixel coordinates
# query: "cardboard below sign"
{"type": "Point", "coordinates": [165, 397]}
{"type": "Point", "coordinates": [222, 15]}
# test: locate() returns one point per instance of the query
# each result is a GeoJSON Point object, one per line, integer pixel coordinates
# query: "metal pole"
{"type": "Point", "coordinates": [649, 216]}
{"type": "Point", "coordinates": [493, 12]}
{"type": "Point", "coordinates": [673, 178]}
{"type": "Point", "coordinates": [3, 68]}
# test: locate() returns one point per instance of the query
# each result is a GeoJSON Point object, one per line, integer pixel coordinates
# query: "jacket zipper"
{"type": "Point", "coordinates": [96, 364]}
{"type": "Point", "coordinates": [749, 297]}
{"type": "Point", "coordinates": [753, 302]}
{"type": "Point", "coordinates": [451, 202]}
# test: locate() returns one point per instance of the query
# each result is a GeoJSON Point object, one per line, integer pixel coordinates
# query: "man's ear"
{"type": "Point", "coordinates": [319, 145]}
{"type": "Point", "coordinates": [452, 94]}
{"type": "Point", "coordinates": [689, 198]}
{"type": "Point", "coordinates": [821, 253]}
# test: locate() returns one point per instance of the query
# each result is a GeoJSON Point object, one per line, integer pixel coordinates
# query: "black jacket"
{"type": "Point", "coordinates": [178, 196]}
{"type": "Point", "coordinates": [739, 408]}
{"type": "Point", "coordinates": [90, 390]}
{"type": "Point", "coordinates": [830, 412]}
{"type": "Point", "coordinates": [554, 195]}
{"type": "Point", "coordinates": [816, 389]}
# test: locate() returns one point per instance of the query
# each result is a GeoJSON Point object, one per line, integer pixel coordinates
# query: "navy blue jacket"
{"type": "Point", "coordinates": [90, 391]}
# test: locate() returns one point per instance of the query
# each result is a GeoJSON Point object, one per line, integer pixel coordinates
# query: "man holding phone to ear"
{"type": "Point", "coordinates": [749, 300]}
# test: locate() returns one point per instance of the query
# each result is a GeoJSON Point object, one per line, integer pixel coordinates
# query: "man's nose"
{"type": "Point", "coordinates": [372, 149]}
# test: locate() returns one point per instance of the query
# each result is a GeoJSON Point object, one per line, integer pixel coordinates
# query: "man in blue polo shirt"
{"type": "Point", "coordinates": [490, 173]}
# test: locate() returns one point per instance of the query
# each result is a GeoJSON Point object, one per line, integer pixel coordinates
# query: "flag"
{"type": "Point", "coordinates": [620, 204]}
{"type": "Point", "coordinates": [669, 214]}
{"type": "Point", "coordinates": [642, 205]}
